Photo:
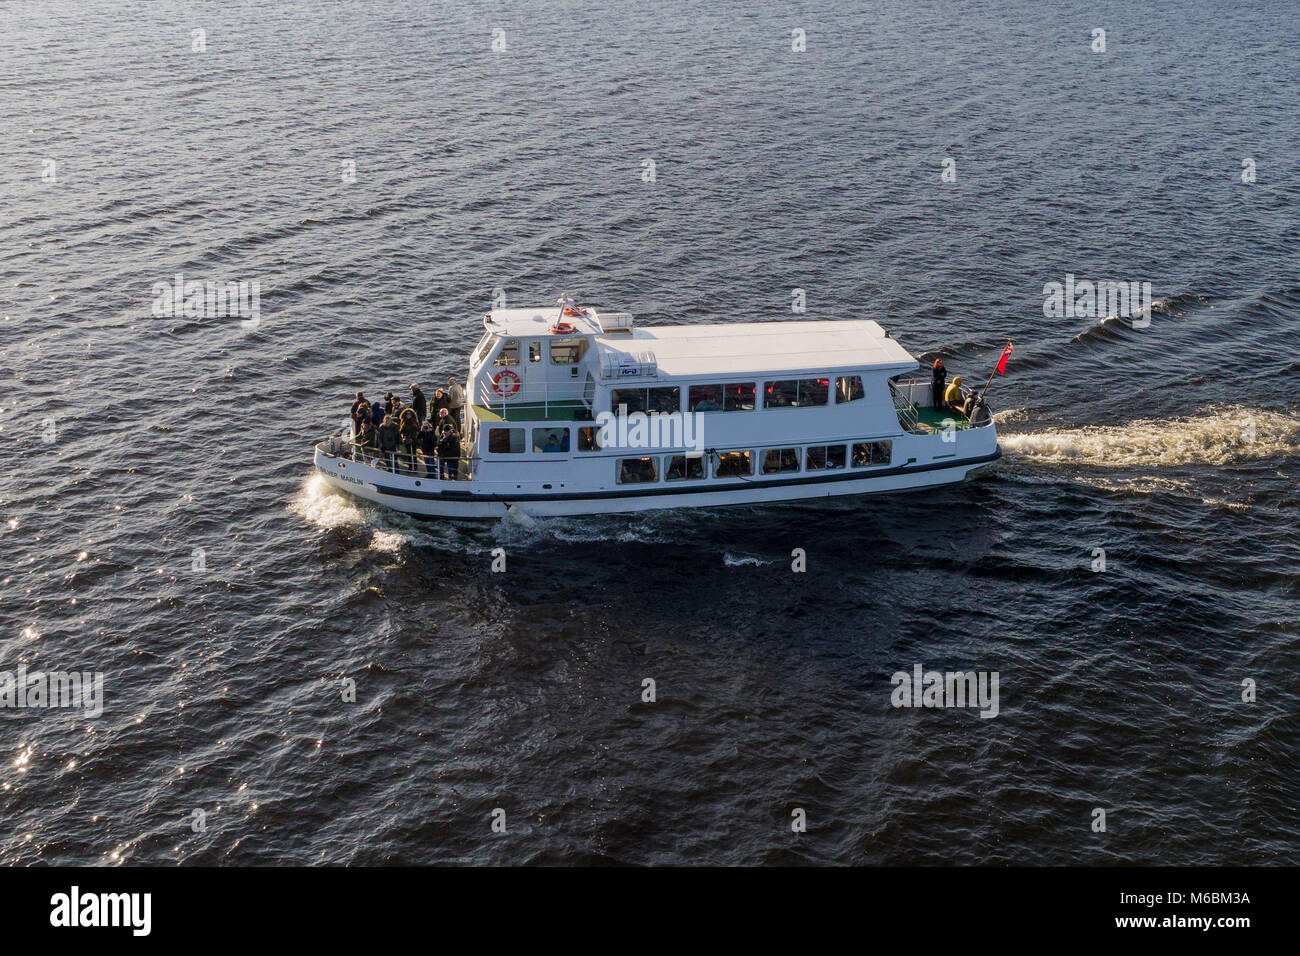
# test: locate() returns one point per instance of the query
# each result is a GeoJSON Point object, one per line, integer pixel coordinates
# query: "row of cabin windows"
{"type": "Point", "coordinates": [563, 352]}
{"type": "Point", "coordinates": [740, 464]}
{"type": "Point", "coordinates": [739, 396]}
{"type": "Point", "coordinates": [555, 439]}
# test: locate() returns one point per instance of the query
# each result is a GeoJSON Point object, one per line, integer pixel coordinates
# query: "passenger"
{"type": "Point", "coordinates": [419, 403]}
{"type": "Point", "coordinates": [552, 444]}
{"type": "Point", "coordinates": [448, 452]}
{"type": "Point", "coordinates": [979, 413]}
{"type": "Point", "coordinates": [456, 402]}
{"type": "Point", "coordinates": [429, 449]}
{"type": "Point", "coordinates": [938, 376]}
{"type": "Point", "coordinates": [441, 401]}
{"type": "Point", "coordinates": [408, 434]}
{"type": "Point", "coordinates": [367, 440]}
{"type": "Point", "coordinates": [389, 439]}
{"type": "Point", "coordinates": [952, 398]}
{"type": "Point", "coordinates": [388, 403]}
{"type": "Point", "coordinates": [444, 418]}
{"type": "Point", "coordinates": [356, 404]}
{"type": "Point", "coordinates": [361, 415]}
{"type": "Point", "coordinates": [377, 414]}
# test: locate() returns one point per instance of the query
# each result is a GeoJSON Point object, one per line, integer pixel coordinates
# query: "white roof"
{"type": "Point", "coordinates": [760, 348]}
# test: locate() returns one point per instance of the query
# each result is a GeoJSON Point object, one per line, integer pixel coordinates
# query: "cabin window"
{"type": "Point", "coordinates": [663, 400]}
{"type": "Point", "coordinates": [731, 397]}
{"type": "Point", "coordinates": [509, 354]}
{"type": "Point", "coordinates": [796, 393]}
{"type": "Point", "coordinates": [871, 453]}
{"type": "Point", "coordinates": [821, 457]}
{"type": "Point", "coordinates": [636, 471]}
{"type": "Point", "coordinates": [550, 441]}
{"type": "Point", "coordinates": [589, 438]}
{"type": "Point", "coordinates": [683, 467]}
{"type": "Point", "coordinates": [734, 463]}
{"type": "Point", "coordinates": [568, 352]}
{"type": "Point", "coordinates": [506, 441]}
{"type": "Point", "coordinates": [534, 352]}
{"type": "Point", "coordinates": [484, 344]}
{"type": "Point", "coordinates": [848, 388]}
{"type": "Point", "coordinates": [777, 461]}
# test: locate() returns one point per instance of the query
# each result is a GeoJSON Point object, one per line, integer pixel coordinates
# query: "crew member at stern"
{"type": "Point", "coordinates": [938, 383]}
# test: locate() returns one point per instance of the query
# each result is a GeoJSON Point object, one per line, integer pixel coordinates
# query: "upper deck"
{"type": "Point", "coordinates": [760, 348]}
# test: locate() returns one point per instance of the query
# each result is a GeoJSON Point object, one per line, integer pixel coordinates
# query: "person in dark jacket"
{"type": "Point", "coordinates": [367, 439]}
{"type": "Point", "coordinates": [358, 401]}
{"type": "Point", "coordinates": [418, 402]}
{"type": "Point", "coordinates": [389, 438]}
{"type": "Point", "coordinates": [361, 416]}
{"type": "Point", "coordinates": [448, 452]}
{"type": "Point", "coordinates": [428, 439]}
{"type": "Point", "coordinates": [441, 400]}
{"type": "Point", "coordinates": [408, 429]}
{"type": "Point", "coordinates": [938, 383]}
{"type": "Point", "coordinates": [377, 414]}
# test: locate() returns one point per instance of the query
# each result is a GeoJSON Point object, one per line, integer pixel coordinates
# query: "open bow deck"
{"type": "Point", "coordinates": [569, 411]}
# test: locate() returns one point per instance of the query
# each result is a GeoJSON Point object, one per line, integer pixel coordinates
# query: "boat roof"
{"type": "Point", "coordinates": [732, 348]}
{"type": "Point", "coordinates": [763, 348]}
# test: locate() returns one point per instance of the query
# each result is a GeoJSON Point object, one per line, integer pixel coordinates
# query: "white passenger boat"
{"type": "Point", "coordinates": [571, 411]}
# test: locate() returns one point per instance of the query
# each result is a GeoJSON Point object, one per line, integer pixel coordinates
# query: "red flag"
{"type": "Point", "coordinates": [1002, 362]}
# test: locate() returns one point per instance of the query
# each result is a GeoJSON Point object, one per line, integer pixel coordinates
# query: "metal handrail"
{"type": "Point", "coordinates": [408, 464]}
{"type": "Point", "coordinates": [543, 393]}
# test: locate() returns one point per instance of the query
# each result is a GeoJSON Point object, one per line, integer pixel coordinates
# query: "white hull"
{"type": "Point", "coordinates": [432, 498]}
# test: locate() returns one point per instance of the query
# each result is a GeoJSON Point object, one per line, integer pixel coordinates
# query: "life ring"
{"type": "Point", "coordinates": [570, 310]}
{"type": "Point", "coordinates": [505, 382]}
{"type": "Point", "coordinates": [563, 328]}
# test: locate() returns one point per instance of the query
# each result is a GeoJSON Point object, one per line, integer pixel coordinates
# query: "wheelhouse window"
{"type": "Point", "coordinates": [484, 345]}
{"type": "Point", "coordinates": [506, 441]}
{"type": "Point", "coordinates": [778, 461]}
{"type": "Point", "coordinates": [588, 438]}
{"type": "Point", "coordinates": [796, 393]}
{"type": "Point", "coordinates": [568, 352]}
{"type": "Point", "coordinates": [821, 457]}
{"type": "Point", "coordinates": [534, 352]}
{"type": "Point", "coordinates": [663, 400]}
{"type": "Point", "coordinates": [550, 441]}
{"type": "Point", "coordinates": [731, 397]}
{"type": "Point", "coordinates": [732, 464]}
{"type": "Point", "coordinates": [848, 388]}
{"type": "Point", "coordinates": [636, 471]}
{"type": "Point", "coordinates": [867, 453]}
{"type": "Point", "coordinates": [509, 354]}
{"type": "Point", "coordinates": [683, 467]}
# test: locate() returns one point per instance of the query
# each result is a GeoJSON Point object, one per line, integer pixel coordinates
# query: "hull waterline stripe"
{"type": "Point", "coordinates": [700, 488]}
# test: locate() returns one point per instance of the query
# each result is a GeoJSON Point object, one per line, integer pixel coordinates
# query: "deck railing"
{"type": "Point", "coordinates": [532, 395]}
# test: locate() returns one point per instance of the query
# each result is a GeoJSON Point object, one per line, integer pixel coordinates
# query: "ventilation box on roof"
{"type": "Point", "coordinates": [614, 321]}
{"type": "Point", "coordinates": [628, 365]}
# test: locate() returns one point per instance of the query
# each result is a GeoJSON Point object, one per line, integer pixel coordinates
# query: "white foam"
{"type": "Point", "coordinates": [1219, 436]}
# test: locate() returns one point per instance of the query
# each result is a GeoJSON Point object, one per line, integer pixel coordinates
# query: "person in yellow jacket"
{"type": "Point", "coordinates": [952, 397]}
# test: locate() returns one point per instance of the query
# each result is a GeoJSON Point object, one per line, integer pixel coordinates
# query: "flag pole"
{"type": "Point", "coordinates": [1001, 356]}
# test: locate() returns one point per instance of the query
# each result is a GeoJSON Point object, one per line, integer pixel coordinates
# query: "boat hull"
{"type": "Point", "coordinates": [429, 497]}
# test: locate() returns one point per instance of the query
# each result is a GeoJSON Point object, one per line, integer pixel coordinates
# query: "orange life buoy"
{"type": "Point", "coordinates": [505, 382]}
{"type": "Point", "coordinates": [563, 328]}
{"type": "Point", "coordinates": [569, 310]}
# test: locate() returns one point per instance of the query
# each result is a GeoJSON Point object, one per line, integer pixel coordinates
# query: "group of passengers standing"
{"type": "Point", "coordinates": [412, 436]}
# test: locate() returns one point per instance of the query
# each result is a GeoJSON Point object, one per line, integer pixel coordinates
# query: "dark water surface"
{"type": "Point", "coordinates": [1175, 447]}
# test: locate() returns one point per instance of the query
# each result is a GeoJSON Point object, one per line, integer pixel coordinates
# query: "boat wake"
{"type": "Point", "coordinates": [1220, 436]}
